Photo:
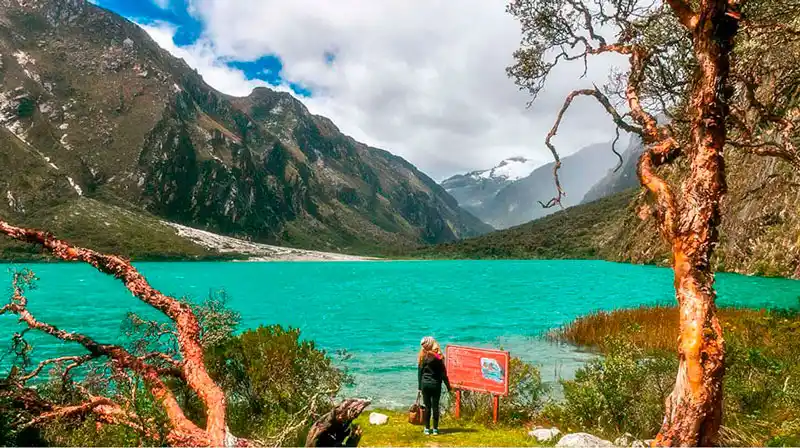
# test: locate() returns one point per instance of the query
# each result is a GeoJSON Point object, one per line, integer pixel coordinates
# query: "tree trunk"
{"type": "Point", "coordinates": [335, 429]}
{"type": "Point", "coordinates": [694, 408]}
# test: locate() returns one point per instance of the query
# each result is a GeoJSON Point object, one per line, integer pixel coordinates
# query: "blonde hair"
{"type": "Point", "coordinates": [429, 345]}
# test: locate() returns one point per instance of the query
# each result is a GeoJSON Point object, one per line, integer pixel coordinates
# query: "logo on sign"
{"type": "Point", "coordinates": [491, 370]}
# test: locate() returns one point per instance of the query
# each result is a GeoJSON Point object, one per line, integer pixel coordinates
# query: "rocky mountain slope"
{"type": "Point", "coordinates": [93, 112]}
{"type": "Point", "coordinates": [518, 202]}
{"type": "Point", "coordinates": [474, 189]}
{"type": "Point", "coordinates": [618, 180]}
{"type": "Point", "coordinates": [759, 234]}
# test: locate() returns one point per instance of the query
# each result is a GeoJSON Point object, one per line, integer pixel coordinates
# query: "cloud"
{"type": "Point", "coordinates": [163, 4]}
{"type": "Point", "coordinates": [424, 79]}
{"type": "Point", "coordinates": [202, 57]}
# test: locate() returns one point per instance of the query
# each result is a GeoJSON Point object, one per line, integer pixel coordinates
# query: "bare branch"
{"type": "Point", "coordinates": [619, 120]}
{"type": "Point", "coordinates": [76, 361]}
{"type": "Point", "coordinates": [614, 149]}
{"type": "Point", "coordinates": [186, 323]}
{"type": "Point", "coordinates": [666, 208]}
{"type": "Point", "coordinates": [184, 429]}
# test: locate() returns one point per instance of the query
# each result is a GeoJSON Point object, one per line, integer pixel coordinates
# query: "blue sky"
{"type": "Point", "coordinates": [418, 78]}
{"type": "Point", "coordinates": [189, 29]}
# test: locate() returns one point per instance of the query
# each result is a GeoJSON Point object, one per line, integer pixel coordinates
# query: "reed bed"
{"type": "Point", "coordinates": [655, 328]}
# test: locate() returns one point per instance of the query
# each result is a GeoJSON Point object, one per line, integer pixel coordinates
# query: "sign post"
{"type": "Point", "coordinates": [458, 404]}
{"type": "Point", "coordinates": [478, 370]}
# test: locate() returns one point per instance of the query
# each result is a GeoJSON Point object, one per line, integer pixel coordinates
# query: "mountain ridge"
{"type": "Point", "coordinates": [759, 229]}
{"type": "Point", "coordinates": [471, 190]}
{"type": "Point", "coordinates": [503, 203]}
{"type": "Point", "coordinates": [91, 106]}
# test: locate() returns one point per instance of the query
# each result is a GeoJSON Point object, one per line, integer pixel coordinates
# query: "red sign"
{"type": "Point", "coordinates": [478, 369]}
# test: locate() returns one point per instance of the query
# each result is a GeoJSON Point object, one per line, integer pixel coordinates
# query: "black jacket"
{"type": "Point", "coordinates": [432, 372]}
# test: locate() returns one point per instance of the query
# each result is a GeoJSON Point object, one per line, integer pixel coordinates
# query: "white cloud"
{"type": "Point", "coordinates": [163, 4]}
{"type": "Point", "coordinates": [424, 79]}
{"type": "Point", "coordinates": [202, 57]}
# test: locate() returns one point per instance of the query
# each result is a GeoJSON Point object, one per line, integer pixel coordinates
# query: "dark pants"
{"type": "Point", "coordinates": [430, 398]}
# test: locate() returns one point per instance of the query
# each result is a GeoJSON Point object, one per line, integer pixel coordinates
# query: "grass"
{"type": "Point", "coordinates": [579, 232]}
{"type": "Point", "coordinates": [106, 228]}
{"type": "Point", "coordinates": [398, 432]}
{"type": "Point", "coordinates": [655, 328]}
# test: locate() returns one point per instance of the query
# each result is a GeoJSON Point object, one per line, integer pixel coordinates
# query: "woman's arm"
{"type": "Point", "coordinates": [445, 379]}
{"type": "Point", "coordinates": [419, 375]}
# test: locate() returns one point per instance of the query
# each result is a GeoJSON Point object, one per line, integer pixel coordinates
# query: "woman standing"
{"type": "Point", "coordinates": [431, 373]}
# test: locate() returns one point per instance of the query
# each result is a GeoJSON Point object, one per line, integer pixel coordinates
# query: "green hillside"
{"type": "Point", "coordinates": [759, 233]}
{"type": "Point", "coordinates": [581, 231]}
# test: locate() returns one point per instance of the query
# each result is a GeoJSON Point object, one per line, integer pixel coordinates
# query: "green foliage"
{"type": "Point", "coordinates": [762, 392]}
{"type": "Point", "coordinates": [526, 394]}
{"type": "Point", "coordinates": [574, 233]}
{"type": "Point", "coordinates": [105, 228]}
{"type": "Point", "coordinates": [621, 392]}
{"type": "Point", "coordinates": [26, 108]}
{"type": "Point", "coordinates": [217, 321]}
{"type": "Point", "coordinates": [624, 390]}
{"type": "Point", "coordinates": [274, 382]}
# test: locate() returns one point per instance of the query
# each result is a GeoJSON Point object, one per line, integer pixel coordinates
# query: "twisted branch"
{"type": "Point", "coordinates": [193, 368]}
{"type": "Point", "coordinates": [619, 120]}
{"type": "Point", "coordinates": [184, 430]}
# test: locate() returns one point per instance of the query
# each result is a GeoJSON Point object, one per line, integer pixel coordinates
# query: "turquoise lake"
{"type": "Point", "coordinates": [378, 311]}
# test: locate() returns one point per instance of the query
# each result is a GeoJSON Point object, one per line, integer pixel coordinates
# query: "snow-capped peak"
{"type": "Point", "coordinates": [511, 169]}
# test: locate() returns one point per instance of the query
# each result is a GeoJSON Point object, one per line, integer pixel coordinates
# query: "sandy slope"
{"type": "Point", "coordinates": [257, 251]}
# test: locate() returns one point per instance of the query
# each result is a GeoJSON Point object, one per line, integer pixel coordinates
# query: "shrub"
{"type": "Point", "coordinates": [525, 398]}
{"type": "Point", "coordinates": [624, 391]}
{"type": "Point", "coordinates": [621, 392]}
{"type": "Point", "coordinates": [275, 382]}
{"type": "Point", "coordinates": [276, 385]}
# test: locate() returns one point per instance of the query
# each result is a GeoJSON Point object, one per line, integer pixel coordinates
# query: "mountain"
{"type": "Point", "coordinates": [619, 180]}
{"type": "Point", "coordinates": [577, 232]}
{"type": "Point", "coordinates": [473, 189]}
{"type": "Point", "coordinates": [95, 118]}
{"type": "Point", "coordinates": [759, 230]}
{"type": "Point", "coordinates": [517, 202]}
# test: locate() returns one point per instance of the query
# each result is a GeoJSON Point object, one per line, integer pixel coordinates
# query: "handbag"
{"type": "Point", "coordinates": [415, 412]}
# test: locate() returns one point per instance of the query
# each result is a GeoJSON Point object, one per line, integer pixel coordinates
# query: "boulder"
{"type": "Point", "coordinates": [376, 418]}
{"type": "Point", "coordinates": [581, 439]}
{"type": "Point", "coordinates": [544, 434]}
{"type": "Point", "coordinates": [626, 440]}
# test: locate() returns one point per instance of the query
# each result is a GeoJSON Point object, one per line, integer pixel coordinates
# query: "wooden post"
{"type": "Point", "coordinates": [458, 404]}
{"type": "Point", "coordinates": [495, 407]}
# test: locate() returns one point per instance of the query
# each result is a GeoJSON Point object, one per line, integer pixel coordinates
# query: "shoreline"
{"type": "Point", "coordinates": [257, 252]}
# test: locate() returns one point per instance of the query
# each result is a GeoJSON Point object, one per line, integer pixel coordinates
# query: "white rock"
{"type": "Point", "coordinates": [75, 186]}
{"type": "Point", "coordinates": [64, 126]}
{"type": "Point", "coordinates": [544, 434]}
{"type": "Point", "coordinates": [376, 418]}
{"type": "Point", "coordinates": [128, 42]}
{"type": "Point", "coordinates": [23, 58]}
{"type": "Point", "coordinates": [581, 439]}
{"type": "Point", "coordinates": [65, 143]}
{"type": "Point", "coordinates": [639, 444]}
{"type": "Point", "coordinates": [626, 439]}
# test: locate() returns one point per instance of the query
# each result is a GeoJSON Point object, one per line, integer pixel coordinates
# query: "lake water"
{"type": "Point", "coordinates": [378, 311]}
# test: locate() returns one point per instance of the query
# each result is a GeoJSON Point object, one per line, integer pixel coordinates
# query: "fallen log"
{"type": "Point", "coordinates": [336, 428]}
